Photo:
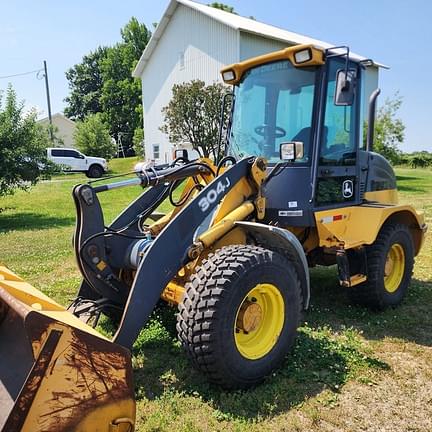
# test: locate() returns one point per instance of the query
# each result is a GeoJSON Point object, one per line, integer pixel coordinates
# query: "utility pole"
{"type": "Point", "coordinates": [48, 99]}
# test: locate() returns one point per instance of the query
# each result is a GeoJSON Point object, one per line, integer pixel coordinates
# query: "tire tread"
{"type": "Point", "coordinates": [199, 313]}
{"type": "Point", "coordinates": [369, 293]}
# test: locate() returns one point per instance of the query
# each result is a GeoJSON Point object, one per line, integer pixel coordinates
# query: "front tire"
{"type": "Point", "coordinates": [240, 314]}
{"type": "Point", "coordinates": [390, 262]}
{"type": "Point", "coordinates": [95, 171]}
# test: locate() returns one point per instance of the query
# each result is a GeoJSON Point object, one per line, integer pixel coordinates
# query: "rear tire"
{"type": "Point", "coordinates": [240, 313]}
{"type": "Point", "coordinates": [95, 171]}
{"type": "Point", "coordinates": [390, 262]}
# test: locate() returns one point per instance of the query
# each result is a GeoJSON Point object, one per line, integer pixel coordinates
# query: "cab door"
{"type": "Point", "coordinates": [337, 174]}
{"type": "Point", "coordinates": [72, 159]}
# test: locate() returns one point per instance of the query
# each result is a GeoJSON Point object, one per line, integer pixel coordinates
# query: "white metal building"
{"type": "Point", "coordinates": [194, 41]}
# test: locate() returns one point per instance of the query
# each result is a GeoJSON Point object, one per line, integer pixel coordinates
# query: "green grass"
{"type": "Point", "coordinates": [346, 364]}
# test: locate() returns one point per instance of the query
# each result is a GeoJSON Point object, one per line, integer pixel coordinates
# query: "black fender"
{"type": "Point", "coordinates": [275, 238]}
{"type": "Point", "coordinates": [168, 253]}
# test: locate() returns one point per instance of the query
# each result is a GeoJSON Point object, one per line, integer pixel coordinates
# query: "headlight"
{"type": "Point", "coordinates": [303, 56]}
{"type": "Point", "coordinates": [228, 75]}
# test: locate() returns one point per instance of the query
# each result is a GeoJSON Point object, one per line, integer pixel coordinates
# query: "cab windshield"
{"type": "Point", "coordinates": [273, 104]}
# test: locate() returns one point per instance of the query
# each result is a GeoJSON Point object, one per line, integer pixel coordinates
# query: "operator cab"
{"type": "Point", "coordinates": [303, 109]}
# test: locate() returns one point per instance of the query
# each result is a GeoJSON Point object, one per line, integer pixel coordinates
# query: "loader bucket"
{"type": "Point", "coordinates": [57, 373]}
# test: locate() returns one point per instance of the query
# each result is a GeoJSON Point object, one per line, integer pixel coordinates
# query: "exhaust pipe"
{"type": "Point", "coordinates": [371, 119]}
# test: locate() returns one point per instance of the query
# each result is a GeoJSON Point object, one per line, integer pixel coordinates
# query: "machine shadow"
{"type": "Point", "coordinates": [305, 373]}
{"type": "Point", "coordinates": [402, 177]}
{"type": "Point", "coordinates": [312, 366]}
{"type": "Point", "coordinates": [28, 221]}
{"type": "Point", "coordinates": [414, 187]}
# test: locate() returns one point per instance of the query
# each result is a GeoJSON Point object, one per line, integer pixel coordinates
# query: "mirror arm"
{"type": "Point", "coordinates": [346, 85]}
{"type": "Point", "coordinates": [329, 54]}
{"type": "Point", "coordinates": [371, 119]}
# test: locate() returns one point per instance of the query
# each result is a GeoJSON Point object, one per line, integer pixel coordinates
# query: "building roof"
{"type": "Point", "coordinates": [57, 115]}
{"type": "Point", "coordinates": [234, 21]}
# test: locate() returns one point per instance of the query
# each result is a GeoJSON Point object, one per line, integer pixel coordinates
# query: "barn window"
{"type": "Point", "coordinates": [156, 151]}
{"type": "Point", "coordinates": [181, 59]}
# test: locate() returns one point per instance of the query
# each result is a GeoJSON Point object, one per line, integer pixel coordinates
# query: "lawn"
{"type": "Point", "coordinates": [351, 369]}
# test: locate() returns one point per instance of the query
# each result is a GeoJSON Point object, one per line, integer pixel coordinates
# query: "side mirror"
{"type": "Point", "coordinates": [292, 150]}
{"type": "Point", "coordinates": [345, 87]}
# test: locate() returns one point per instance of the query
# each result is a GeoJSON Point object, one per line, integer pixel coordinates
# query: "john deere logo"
{"type": "Point", "coordinates": [347, 188]}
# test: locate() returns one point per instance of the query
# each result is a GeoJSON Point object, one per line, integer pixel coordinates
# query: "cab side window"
{"type": "Point", "coordinates": [57, 153]}
{"type": "Point", "coordinates": [339, 135]}
{"type": "Point", "coordinates": [70, 153]}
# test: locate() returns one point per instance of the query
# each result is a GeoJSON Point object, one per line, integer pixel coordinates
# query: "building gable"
{"type": "Point", "coordinates": [192, 46]}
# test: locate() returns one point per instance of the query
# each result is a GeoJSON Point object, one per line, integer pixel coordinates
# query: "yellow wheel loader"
{"type": "Point", "coordinates": [295, 188]}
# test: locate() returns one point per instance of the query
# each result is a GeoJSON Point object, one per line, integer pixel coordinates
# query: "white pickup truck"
{"type": "Point", "coordinates": [74, 161]}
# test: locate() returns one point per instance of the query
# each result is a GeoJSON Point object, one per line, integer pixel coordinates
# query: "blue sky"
{"type": "Point", "coordinates": [397, 33]}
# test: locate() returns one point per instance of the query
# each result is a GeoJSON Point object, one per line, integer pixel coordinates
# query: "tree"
{"type": "Point", "coordinates": [226, 8]}
{"type": "Point", "coordinates": [193, 115]}
{"type": "Point", "coordinates": [102, 82]}
{"type": "Point", "coordinates": [121, 93]}
{"type": "Point", "coordinates": [23, 157]}
{"type": "Point", "coordinates": [389, 130]}
{"type": "Point", "coordinates": [421, 159]}
{"type": "Point", "coordinates": [138, 142]}
{"type": "Point", "coordinates": [223, 7]}
{"type": "Point", "coordinates": [93, 139]}
{"type": "Point", "coordinates": [85, 85]}
{"type": "Point", "coordinates": [136, 35]}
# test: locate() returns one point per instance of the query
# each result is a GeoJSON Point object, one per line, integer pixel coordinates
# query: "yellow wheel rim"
{"type": "Point", "coordinates": [259, 321]}
{"type": "Point", "coordinates": [394, 268]}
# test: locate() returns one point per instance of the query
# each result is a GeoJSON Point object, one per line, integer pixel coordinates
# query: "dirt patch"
{"type": "Point", "coordinates": [398, 401]}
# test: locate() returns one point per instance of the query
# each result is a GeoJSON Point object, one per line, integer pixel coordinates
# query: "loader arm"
{"type": "Point", "coordinates": [169, 252]}
{"type": "Point", "coordinates": [118, 263]}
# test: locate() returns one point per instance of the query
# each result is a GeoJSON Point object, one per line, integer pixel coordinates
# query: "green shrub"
{"type": "Point", "coordinates": [420, 160]}
{"type": "Point", "coordinates": [93, 139]}
{"type": "Point", "coordinates": [138, 142]}
{"type": "Point", "coordinates": [23, 144]}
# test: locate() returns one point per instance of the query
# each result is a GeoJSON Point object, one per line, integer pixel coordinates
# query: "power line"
{"type": "Point", "coordinates": [21, 74]}
{"type": "Point", "coordinates": [38, 76]}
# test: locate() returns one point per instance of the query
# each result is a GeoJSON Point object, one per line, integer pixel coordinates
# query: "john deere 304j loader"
{"type": "Point", "coordinates": [296, 188]}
